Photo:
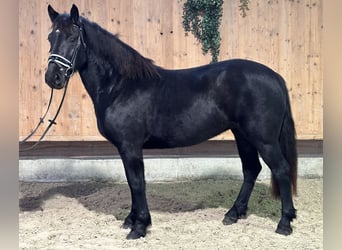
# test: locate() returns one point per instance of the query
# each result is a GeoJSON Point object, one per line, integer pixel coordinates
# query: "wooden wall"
{"type": "Point", "coordinates": [283, 34]}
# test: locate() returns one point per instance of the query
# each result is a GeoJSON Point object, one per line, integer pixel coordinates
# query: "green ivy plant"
{"type": "Point", "coordinates": [203, 18]}
{"type": "Point", "coordinates": [244, 7]}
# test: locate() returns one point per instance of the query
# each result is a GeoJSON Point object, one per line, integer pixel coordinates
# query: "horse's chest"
{"type": "Point", "coordinates": [121, 121]}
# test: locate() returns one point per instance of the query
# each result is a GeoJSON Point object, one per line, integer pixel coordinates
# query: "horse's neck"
{"type": "Point", "coordinates": [99, 79]}
{"type": "Point", "coordinates": [109, 63]}
{"type": "Point", "coordinates": [96, 69]}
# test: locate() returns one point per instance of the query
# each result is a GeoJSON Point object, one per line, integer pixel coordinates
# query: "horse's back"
{"type": "Point", "coordinates": [193, 105]}
{"type": "Point", "coordinates": [232, 85]}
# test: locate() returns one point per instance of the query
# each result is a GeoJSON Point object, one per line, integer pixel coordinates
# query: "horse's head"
{"type": "Point", "coordinates": [67, 47]}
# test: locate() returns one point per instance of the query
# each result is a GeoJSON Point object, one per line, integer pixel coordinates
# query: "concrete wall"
{"type": "Point", "coordinates": [156, 169]}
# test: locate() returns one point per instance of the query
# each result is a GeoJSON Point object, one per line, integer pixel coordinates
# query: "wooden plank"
{"type": "Point", "coordinates": [285, 35]}
{"type": "Point", "coordinates": [29, 67]}
{"type": "Point", "coordinates": [103, 149]}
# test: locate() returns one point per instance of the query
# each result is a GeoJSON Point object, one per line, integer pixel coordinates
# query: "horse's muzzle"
{"type": "Point", "coordinates": [55, 76]}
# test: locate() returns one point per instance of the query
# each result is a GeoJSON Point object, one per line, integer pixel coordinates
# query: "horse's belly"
{"type": "Point", "coordinates": [184, 137]}
{"type": "Point", "coordinates": [200, 122]}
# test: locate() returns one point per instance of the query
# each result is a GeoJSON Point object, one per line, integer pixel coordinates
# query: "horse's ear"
{"type": "Point", "coordinates": [74, 14]}
{"type": "Point", "coordinates": [52, 13]}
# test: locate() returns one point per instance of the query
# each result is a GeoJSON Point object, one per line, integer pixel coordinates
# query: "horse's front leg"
{"type": "Point", "coordinates": [139, 218]}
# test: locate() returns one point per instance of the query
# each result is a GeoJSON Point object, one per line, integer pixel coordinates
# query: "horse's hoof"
{"type": "Point", "coordinates": [133, 235]}
{"type": "Point", "coordinates": [284, 230]}
{"type": "Point", "coordinates": [228, 221]}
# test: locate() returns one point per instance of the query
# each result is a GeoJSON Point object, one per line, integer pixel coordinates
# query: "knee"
{"type": "Point", "coordinates": [282, 173]}
{"type": "Point", "coordinates": [250, 174]}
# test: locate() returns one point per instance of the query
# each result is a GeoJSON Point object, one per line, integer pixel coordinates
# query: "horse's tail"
{"type": "Point", "coordinates": [287, 140]}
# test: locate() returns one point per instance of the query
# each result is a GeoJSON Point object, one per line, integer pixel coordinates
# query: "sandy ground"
{"type": "Point", "coordinates": [89, 216]}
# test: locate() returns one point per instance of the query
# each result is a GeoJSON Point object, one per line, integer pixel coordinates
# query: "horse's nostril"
{"type": "Point", "coordinates": [57, 78]}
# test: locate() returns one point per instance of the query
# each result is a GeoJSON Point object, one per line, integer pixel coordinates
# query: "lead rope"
{"type": "Point", "coordinates": [51, 121]}
{"type": "Point", "coordinates": [41, 120]}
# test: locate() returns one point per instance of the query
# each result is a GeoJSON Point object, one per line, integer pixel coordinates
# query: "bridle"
{"type": "Point", "coordinates": [64, 63]}
{"type": "Point", "coordinates": [69, 67]}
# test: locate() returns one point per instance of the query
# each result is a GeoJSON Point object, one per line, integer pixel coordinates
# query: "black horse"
{"type": "Point", "coordinates": [140, 105]}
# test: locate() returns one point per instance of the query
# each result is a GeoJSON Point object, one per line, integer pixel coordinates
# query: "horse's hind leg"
{"type": "Point", "coordinates": [251, 168]}
{"type": "Point", "coordinates": [274, 158]}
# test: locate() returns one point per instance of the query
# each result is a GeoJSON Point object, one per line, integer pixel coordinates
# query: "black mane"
{"type": "Point", "coordinates": [123, 58]}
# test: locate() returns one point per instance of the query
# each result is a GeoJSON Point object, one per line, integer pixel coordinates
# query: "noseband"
{"type": "Point", "coordinates": [63, 63]}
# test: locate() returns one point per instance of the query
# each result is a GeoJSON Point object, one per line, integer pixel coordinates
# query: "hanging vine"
{"type": "Point", "coordinates": [244, 7]}
{"type": "Point", "coordinates": [203, 18]}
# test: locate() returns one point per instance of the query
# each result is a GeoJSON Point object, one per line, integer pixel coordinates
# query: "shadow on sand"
{"type": "Point", "coordinates": [112, 198]}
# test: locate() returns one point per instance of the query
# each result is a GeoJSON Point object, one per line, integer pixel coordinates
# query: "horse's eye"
{"type": "Point", "coordinates": [72, 38]}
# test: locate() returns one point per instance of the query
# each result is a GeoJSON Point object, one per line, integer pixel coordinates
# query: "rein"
{"type": "Point", "coordinates": [41, 121]}
{"type": "Point", "coordinates": [69, 66]}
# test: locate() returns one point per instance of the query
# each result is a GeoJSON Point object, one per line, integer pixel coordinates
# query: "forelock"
{"type": "Point", "coordinates": [62, 22]}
